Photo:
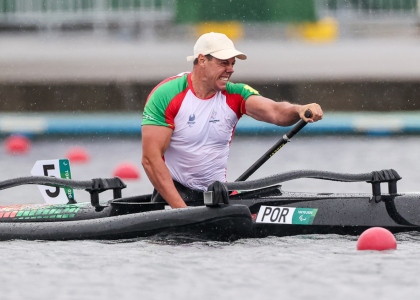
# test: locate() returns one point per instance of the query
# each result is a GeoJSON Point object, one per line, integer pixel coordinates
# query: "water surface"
{"type": "Point", "coordinates": [301, 267]}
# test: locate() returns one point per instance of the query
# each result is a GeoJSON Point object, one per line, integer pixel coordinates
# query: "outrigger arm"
{"type": "Point", "coordinates": [93, 186]}
{"type": "Point", "coordinates": [99, 185]}
{"type": "Point", "coordinates": [375, 178]}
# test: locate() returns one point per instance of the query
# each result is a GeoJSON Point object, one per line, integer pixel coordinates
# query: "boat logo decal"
{"type": "Point", "coordinates": [286, 215]}
{"type": "Point", "coordinates": [31, 212]}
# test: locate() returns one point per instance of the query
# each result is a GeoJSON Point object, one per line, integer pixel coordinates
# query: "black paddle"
{"type": "Point", "coordinates": [285, 139]}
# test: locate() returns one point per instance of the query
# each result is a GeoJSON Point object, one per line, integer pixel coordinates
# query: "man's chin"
{"type": "Point", "coordinates": [222, 86]}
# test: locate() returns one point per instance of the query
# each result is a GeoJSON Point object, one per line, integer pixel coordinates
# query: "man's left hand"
{"type": "Point", "coordinates": [315, 110]}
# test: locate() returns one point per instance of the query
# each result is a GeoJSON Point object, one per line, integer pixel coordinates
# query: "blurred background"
{"type": "Point", "coordinates": [83, 69]}
{"type": "Point", "coordinates": [74, 77]}
{"type": "Point", "coordinates": [106, 55]}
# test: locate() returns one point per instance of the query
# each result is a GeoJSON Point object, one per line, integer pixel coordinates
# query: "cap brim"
{"type": "Point", "coordinates": [224, 54]}
{"type": "Point", "coordinates": [229, 53]}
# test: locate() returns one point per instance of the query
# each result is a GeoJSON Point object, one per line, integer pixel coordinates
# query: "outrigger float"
{"type": "Point", "coordinates": [261, 209]}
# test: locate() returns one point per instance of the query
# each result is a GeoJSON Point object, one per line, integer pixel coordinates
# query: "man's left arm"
{"type": "Point", "coordinates": [280, 113]}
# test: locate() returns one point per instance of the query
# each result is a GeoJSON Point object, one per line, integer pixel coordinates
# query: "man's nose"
{"type": "Point", "coordinates": [229, 69]}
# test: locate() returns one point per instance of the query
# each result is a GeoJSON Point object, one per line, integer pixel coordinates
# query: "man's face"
{"type": "Point", "coordinates": [218, 72]}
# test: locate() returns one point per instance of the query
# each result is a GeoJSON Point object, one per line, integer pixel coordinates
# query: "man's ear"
{"type": "Point", "coordinates": [201, 59]}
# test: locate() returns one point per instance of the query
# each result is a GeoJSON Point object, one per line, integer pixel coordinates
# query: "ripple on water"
{"type": "Point", "coordinates": [296, 267]}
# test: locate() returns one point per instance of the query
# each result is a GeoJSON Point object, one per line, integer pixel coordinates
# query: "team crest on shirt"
{"type": "Point", "coordinates": [191, 120]}
{"type": "Point", "coordinates": [247, 87]}
{"type": "Point", "coordinates": [213, 116]}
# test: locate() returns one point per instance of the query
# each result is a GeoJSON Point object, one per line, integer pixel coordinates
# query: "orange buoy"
{"type": "Point", "coordinates": [78, 155]}
{"type": "Point", "coordinates": [127, 171]}
{"type": "Point", "coordinates": [17, 144]}
{"type": "Point", "coordinates": [376, 238]}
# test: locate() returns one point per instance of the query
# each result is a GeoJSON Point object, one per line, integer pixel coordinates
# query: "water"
{"type": "Point", "coordinates": [301, 267]}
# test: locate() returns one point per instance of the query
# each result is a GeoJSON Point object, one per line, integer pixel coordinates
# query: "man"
{"type": "Point", "coordinates": [189, 119]}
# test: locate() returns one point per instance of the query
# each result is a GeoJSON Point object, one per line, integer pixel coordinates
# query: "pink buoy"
{"type": "Point", "coordinates": [17, 144]}
{"type": "Point", "coordinates": [127, 171]}
{"type": "Point", "coordinates": [376, 238]}
{"type": "Point", "coordinates": [77, 155]}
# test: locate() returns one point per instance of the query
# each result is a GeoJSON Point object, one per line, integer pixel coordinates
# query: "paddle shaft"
{"type": "Point", "coordinates": [284, 140]}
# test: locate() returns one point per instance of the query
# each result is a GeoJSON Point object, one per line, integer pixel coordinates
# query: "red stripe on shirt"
{"type": "Point", "coordinates": [173, 108]}
{"type": "Point", "coordinates": [236, 102]}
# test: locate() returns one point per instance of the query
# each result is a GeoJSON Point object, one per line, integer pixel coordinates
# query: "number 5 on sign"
{"type": "Point", "coordinates": [59, 168]}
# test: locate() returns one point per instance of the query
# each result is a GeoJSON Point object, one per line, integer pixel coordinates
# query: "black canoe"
{"type": "Point", "coordinates": [261, 209]}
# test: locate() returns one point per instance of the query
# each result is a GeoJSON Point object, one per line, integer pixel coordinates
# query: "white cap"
{"type": "Point", "coordinates": [216, 44]}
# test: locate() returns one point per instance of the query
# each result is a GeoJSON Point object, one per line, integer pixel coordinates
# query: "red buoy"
{"type": "Point", "coordinates": [17, 144]}
{"type": "Point", "coordinates": [77, 155]}
{"type": "Point", "coordinates": [127, 171]}
{"type": "Point", "coordinates": [376, 238]}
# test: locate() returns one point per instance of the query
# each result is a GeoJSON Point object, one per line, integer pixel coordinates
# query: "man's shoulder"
{"type": "Point", "coordinates": [167, 90]}
{"type": "Point", "coordinates": [172, 85]}
{"type": "Point", "coordinates": [240, 88]}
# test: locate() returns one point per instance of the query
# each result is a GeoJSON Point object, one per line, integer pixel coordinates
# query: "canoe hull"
{"type": "Point", "coordinates": [348, 214]}
{"type": "Point", "coordinates": [223, 223]}
{"type": "Point", "coordinates": [268, 212]}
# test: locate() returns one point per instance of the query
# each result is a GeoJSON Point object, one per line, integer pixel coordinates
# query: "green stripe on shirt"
{"type": "Point", "coordinates": [240, 88]}
{"type": "Point", "coordinates": [155, 109]}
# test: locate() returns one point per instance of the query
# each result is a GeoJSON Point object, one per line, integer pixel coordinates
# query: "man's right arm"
{"type": "Point", "coordinates": [155, 141]}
